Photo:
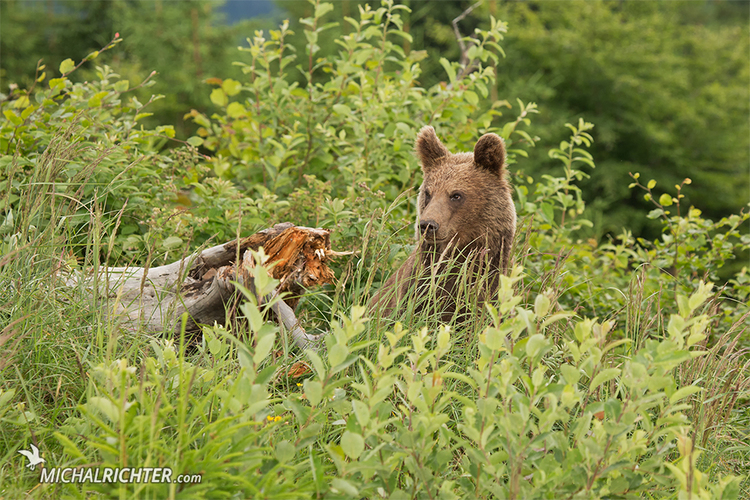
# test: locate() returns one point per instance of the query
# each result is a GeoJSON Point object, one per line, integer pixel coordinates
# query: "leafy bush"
{"type": "Point", "coordinates": [527, 417]}
{"type": "Point", "coordinates": [353, 122]}
{"type": "Point", "coordinates": [85, 140]}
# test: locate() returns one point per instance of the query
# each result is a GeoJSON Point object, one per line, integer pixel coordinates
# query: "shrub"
{"type": "Point", "coordinates": [353, 121]}
{"type": "Point", "coordinates": [85, 140]}
{"type": "Point", "coordinates": [527, 417]}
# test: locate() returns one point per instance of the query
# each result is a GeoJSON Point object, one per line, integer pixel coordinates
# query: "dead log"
{"type": "Point", "coordinates": [202, 285]}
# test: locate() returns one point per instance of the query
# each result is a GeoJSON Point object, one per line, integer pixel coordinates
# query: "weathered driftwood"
{"type": "Point", "coordinates": [201, 285]}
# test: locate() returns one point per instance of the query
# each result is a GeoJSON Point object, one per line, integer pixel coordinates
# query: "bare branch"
{"type": "Point", "coordinates": [464, 60]}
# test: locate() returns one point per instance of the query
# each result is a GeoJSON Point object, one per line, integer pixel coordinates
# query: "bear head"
{"type": "Point", "coordinates": [465, 199]}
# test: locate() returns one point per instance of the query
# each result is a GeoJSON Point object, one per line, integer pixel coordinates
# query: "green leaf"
{"type": "Point", "coordinates": [570, 373]}
{"type": "Point", "coordinates": [604, 376]}
{"type": "Point", "coordinates": [284, 452]}
{"type": "Point", "coordinates": [448, 69]}
{"type": "Point", "coordinates": [494, 339]}
{"type": "Point", "coordinates": [683, 393]}
{"type": "Point", "coordinates": [548, 213]}
{"type": "Point", "coordinates": [263, 347]}
{"type": "Point", "coordinates": [6, 396]}
{"type": "Point", "coordinates": [201, 120]}
{"type": "Point", "coordinates": [317, 363]}
{"type": "Point", "coordinates": [57, 83]}
{"type": "Point", "coordinates": [665, 200]}
{"type": "Point", "coordinates": [231, 87]}
{"type": "Point", "coordinates": [67, 66]}
{"type": "Point", "coordinates": [195, 141]}
{"type": "Point", "coordinates": [323, 9]}
{"type": "Point", "coordinates": [215, 346]}
{"type": "Point", "coordinates": [171, 242]}
{"type": "Point", "coordinates": [106, 407]}
{"type": "Point", "coordinates": [22, 102]}
{"type": "Point", "coordinates": [684, 306]}
{"type": "Point", "coordinates": [403, 127]}
{"type": "Point", "coordinates": [346, 487]}
{"type": "Point", "coordinates": [444, 337]}
{"type": "Point", "coordinates": [70, 448]}
{"type": "Point", "coordinates": [96, 100]}
{"type": "Point", "coordinates": [219, 97]}
{"type": "Point", "coordinates": [675, 326]}
{"type": "Point", "coordinates": [535, 345]}
{"type": "Point", "coordinates": [342, 110]}
{"type": "Point", "coordinates": [362, 411]}
{"type": "Point", "coordinates": [12, 117]}
{"type": "Point", "coordinates": [122, 86]}
{"type": "Point", "coordinates": [651, 184]}
{"type": "Point", "coordinates": [167, 130]}
{"type": "Point", "coordinates": [313, 391]}
{"type": "Point", "coordinates": [235, 110]}
{"type": "Point", "coordinates": [338, 354]}
{"type": "Point", "coordinates": [556, 317]}
{"type": "Point", "coordinates": [541, 305]}
{"type": "Point", "coordinates": [353, 444]}
{"type": "Point", "coordinates": [700, 296]}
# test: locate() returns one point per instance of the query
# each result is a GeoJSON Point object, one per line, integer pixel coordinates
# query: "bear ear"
{"type": "Point", "coordinates": [429, 148]}
{"type": "Point", "coordinates": [489, 153]}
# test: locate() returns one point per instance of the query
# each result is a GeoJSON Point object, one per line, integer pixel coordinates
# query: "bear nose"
{"type": "Point", "coordinates": [428, 227]}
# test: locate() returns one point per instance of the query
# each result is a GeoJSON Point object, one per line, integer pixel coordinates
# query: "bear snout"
{"type": "Point", "coordinates": [428, 227]}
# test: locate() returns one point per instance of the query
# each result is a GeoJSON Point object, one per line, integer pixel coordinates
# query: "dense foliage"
{"type": "Point", "coordinates": [666, 83]}
{"type": "Point", "coordinates": [666, 90]}
{"type": "Point", "coordinates": [186, 42]}
{"type": "Point", "coordinates": [603, 369]}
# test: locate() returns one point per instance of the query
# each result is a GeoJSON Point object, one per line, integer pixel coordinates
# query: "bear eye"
{"type": "Point", "coordinates": [456, 197]}
{"type": "Point", "coordinates": [427, 196]}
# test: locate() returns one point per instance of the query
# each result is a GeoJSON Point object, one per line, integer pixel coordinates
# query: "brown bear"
{"type": "Point", "coordinates": [466, 222]}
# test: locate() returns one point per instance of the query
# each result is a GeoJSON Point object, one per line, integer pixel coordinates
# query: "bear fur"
{"type": "Point", "coordinates": [466, 219]}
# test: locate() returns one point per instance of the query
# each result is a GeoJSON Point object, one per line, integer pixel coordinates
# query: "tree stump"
{"type": "Point", "coordinates": [201, 285]}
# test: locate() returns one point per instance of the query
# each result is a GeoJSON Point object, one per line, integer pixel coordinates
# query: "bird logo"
{"type": "Point", "coordinates": [33, 456]}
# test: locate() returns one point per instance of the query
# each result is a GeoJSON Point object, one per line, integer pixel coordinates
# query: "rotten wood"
{"type": "Point", "coordinates": [202, 284]}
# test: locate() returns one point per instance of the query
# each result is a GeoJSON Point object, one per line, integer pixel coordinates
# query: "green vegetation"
{"type": "Point", "coordinates": [603, 370]}
{"type": "Point", "coordinates": [665, 82]}
{"type": "Point", "coordinates": [666, 87]}
{"type": "Point", "coordinates": [184, 42]}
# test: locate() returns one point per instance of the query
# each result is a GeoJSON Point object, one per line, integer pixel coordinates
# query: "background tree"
{"type": "Point", "coordinates": [185, 42]}
{"type": "Point", "coordinates": [665, 83]}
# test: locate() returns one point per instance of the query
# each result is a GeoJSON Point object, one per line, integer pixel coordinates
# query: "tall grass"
{"type": "Point", "coordinates": [233, 409]}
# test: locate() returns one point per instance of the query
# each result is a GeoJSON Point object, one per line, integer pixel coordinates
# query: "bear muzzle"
{"type": "Point", "coordinates": [428, 228]}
